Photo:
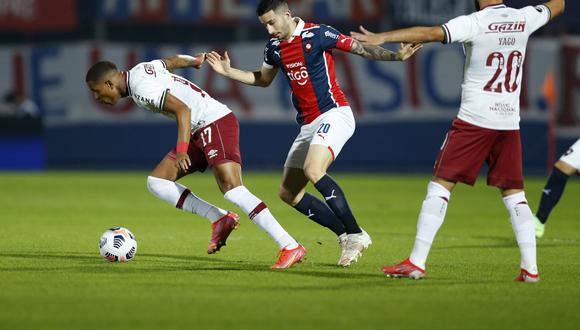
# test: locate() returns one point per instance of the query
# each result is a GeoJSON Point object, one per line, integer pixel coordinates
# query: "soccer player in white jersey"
{"type": "Point", "coordinates": [208, 135]}
{"type": "Point", "coordinates": [566, 166]}
{"type": "Point", "coordinates": [487, 126]}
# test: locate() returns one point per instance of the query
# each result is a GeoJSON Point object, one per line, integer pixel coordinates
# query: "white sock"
{"type": "Point", "coordinates": [260, 215]}
{"type": "Point", "coordinates": [182, 198]}
{"type": "Point", "coordinates": [523, 226]}
{"type": "Point", "coordinates": [430, 220]}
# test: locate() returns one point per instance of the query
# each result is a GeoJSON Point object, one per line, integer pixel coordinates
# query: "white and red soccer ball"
{"type": "Point", "coordinates": [118, 245]}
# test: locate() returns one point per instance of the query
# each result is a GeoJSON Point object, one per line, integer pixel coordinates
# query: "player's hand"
{"type": "Point", "coordinates": [407, 50]}
{"type": "Point", "coordinates": [182, 161]}
{"type": "Point", "coordinates": [200, 59]}
{"type": "Point", "coordinates": [367, 37]}
{"type": "Point", "coordinates": [220, 64]}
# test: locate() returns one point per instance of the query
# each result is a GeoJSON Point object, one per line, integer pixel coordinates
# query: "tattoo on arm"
{"type": "Point", "coordinates": [179, 61]}
{"type": "Point", "coordinates": [373, 52]}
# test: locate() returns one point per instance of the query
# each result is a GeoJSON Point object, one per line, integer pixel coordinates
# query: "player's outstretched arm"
{"type": "Point", "coordinates": [183, 117]}
{"type": "Point", "coordinates": [374, 52]}
{"type": "Point", "coordinates": [556, 7]}
{"type": "Point", "coordinates": [222, 65]}
{"type": "Point", "coordinates": [184, 61]}
{"type": "Point", "coordinates": [413, 35]}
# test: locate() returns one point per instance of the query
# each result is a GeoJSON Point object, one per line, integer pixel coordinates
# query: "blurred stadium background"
{"type": "Point", "coordinates": [51, 216]}
{"type": "Point", "coordinates": [48, 120]}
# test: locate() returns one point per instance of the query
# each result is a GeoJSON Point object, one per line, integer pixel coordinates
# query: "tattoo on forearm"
{"type": "Point", "coordinates": [373, 52]}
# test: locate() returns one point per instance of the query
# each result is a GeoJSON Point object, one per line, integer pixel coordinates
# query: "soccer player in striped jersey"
{"type": "Point", "coordinates": [208, 136]}
{"type": "Point", "coordinates": [303, 52]}
{"type": "Point", "coordinates": [487, 126]}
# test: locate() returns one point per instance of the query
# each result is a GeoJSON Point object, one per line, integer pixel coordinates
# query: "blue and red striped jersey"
{"type": "Point", "coordinates": [306, 59]}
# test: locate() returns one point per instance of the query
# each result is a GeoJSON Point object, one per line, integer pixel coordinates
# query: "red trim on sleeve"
{"type": "Point", "coordinates": [344, 43]}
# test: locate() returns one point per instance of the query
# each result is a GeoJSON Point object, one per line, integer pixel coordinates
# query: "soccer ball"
{"type": "Point", "coordinates": [118, 244]}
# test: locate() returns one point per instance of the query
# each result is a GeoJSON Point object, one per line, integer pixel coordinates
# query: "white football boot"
{"type": "Point", "coordinates": [342, 240]}
{"type": "Point", "coordinates": [354, 247]}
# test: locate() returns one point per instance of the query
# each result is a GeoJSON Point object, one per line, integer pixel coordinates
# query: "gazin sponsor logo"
{"type": "Point", "coordinates": [506, 27]}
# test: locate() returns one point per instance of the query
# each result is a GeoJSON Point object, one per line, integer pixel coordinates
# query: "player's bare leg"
{"type": "Point", "coordinates": [523, 225]}
{"type": "Point", "coordinates": [430, 220]}
{"type": "Point", "coordinates": [229, 178]}
{"type": "Point", "coordinates": [161, 183]}
{"type": "Point", "coordinates": [317, 161]}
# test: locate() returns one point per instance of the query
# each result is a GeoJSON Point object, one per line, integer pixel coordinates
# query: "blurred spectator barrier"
{"type": "Point", "coordinates": [38, 15]}
{"type": "Point", "coordinates": [233, 11]}
{"type": "Point", "coordinates": [407, 106]}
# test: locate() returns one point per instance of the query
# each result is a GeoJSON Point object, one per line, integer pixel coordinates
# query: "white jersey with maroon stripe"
{"type": "Point", "coordinates": [494, 40]}
{"type": "Point", "coordinates": [148, 84]}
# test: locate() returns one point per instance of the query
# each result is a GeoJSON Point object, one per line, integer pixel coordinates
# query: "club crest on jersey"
{"type": "Point", "coordinates": [506, 27]}
{"type": "Point", "coordinates": [308, 47]}
{"type": "Point", "coordinates": [150, 69]}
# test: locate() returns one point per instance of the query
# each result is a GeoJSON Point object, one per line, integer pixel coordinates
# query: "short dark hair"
{"type": "Point", "coordinates": [266, 5]}
{"type": "Point", "coordinates": [99, 70]}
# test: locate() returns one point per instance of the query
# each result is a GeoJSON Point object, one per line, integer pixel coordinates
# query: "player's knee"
{"type": "Point", "coordinates": [313, 173]}
{"type": "Point", "coordinates": [565, 167]}
{"type": "Point", "coordinates": [285, 195]}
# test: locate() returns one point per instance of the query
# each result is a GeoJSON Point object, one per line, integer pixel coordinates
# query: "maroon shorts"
{"type": "Point", "coordinates": [214, 144]}
{"type": "Point", "coordinates": [467, 147]}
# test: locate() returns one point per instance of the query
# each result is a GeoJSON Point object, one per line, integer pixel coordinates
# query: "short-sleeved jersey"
{"type": "Point", "coordinates": [148, 84]}
{"type": "Point", "coordinates": [494, 40]}
{"type": "Point", "coordinates": [306, 59]}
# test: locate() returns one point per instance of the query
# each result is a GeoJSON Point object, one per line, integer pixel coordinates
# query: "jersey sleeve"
{"type": "Point", "coordinates": [460, 29]}
{"type": "Point", "coordinates": [146, 88]}
{"type": "Point", "coordinates": [331, 38]}
{"type": "Point", "coordinates": [268, 60]}
{"type": "Point", "coordinates": [158, 64]}
{"type": "Point", "coordinates": [536, 17]}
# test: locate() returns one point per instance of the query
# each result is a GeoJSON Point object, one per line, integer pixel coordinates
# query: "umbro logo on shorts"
{"type": "Point", "coordinates": [212, 153]}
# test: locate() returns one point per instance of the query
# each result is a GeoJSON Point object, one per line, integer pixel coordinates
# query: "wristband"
{"type": "Point", "coordinates": [196, 60]}
{"type": "Point", "coordinates": [182, 146]}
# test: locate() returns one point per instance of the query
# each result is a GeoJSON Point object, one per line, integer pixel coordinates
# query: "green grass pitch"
{"type": "Point", "coordinates": [52, 277]}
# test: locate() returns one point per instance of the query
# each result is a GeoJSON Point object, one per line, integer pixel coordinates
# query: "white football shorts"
{"type": "Point", "coordinates": [332, 129]}
{"type": "Point", "coordinates": [572, 156]}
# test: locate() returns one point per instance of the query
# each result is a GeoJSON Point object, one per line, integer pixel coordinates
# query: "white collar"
{"type": "Point", "coordinates": [299, 28]}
